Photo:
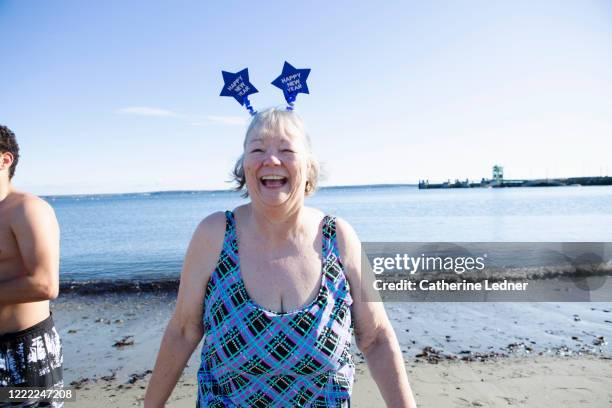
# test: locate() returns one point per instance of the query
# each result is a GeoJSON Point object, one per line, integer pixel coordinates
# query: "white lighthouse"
{"type": "Point", "coordinates": [498, 175]}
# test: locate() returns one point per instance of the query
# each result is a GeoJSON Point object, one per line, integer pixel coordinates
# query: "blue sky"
{"type": "Point", "coordinates": [119, 96]}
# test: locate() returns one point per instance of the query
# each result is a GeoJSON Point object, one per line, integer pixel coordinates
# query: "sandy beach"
{"type": "Point", "coordinates": [516, 382]}
{"type": "Point", "coordinates": [474, 355]}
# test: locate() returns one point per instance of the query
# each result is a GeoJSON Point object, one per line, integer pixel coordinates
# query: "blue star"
{"type": "Point", "coordinates": [237, 85]}
{"type": "Point", "coordinates": [292, 81]}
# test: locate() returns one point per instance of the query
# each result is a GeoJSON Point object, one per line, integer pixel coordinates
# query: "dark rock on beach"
{"type": "Point", "coordinates": [136, 377]}
{"type": "Point", "coordinates": [126, 341]}
{"type": "Point", "coordinates": [78, 384]}
{"type": "Point", "coordinates": [600, 341]}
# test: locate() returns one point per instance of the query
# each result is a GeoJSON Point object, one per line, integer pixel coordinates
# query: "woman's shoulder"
{"type": "Point", "coordinates": [343, 228]}
{"type": "Point", "coordinates": [348, 242]}
{"type": "Point", "coordinates": [211, 230]}
{"type": "Point", "coordinates": [345, 234]}
{"type": "Point", "coordinates": [213, 222]}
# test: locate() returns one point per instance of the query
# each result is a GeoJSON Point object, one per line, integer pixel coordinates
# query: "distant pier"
{"type": "Point", "coordinates": [572, 181]}
{"type": "Point", "coordinates": [498, 181]}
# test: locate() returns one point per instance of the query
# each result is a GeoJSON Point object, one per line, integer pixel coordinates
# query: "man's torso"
{"type": "Point", "coordinates": [15, 317]}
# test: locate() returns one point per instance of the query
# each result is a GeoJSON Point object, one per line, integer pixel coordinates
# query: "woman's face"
{"type": "Point", "coordinates": [275, 167]}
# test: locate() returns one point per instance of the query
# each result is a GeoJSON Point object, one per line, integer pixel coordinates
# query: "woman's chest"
{"type": "Point", "coordinates": [281, 282]}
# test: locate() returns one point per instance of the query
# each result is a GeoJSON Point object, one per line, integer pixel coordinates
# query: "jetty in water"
{"type": "Point", "coordinates": [498, 181]}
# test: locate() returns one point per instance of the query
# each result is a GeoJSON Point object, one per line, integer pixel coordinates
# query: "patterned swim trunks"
{"type": "Point", "coordinates": [32, 358]}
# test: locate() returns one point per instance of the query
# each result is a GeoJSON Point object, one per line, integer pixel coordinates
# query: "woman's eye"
{"type": "Point", "coordinates": [256, 151]}
{"type": "Point", "coordinates": [288, 151]}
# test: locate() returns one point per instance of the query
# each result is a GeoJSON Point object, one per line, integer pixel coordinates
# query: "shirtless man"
{"type": "Point", "coordinates": [30, 348]}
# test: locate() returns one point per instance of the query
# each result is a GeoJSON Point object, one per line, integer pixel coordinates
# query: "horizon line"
{"type": "Point", "coordinates": [377, 185]}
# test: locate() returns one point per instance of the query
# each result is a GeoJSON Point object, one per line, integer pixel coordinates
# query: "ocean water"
{"type": "Point", "coordinates": [145, 236]}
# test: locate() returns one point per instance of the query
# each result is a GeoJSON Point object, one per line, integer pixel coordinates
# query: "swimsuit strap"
{"type": "Point", "coordinates": [330, 245]}
{"type": "Point", "coordinates": [225, 273]}
{"type": "Point", "coordinates": [331, 254]}
{"type": "Point", "coordinates": [230, 240]}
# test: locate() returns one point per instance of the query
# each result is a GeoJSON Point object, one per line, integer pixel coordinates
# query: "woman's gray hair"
{"type": "Point", "coordinates": [273, 121]}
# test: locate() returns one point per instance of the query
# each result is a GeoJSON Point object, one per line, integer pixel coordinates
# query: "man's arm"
{"type": "Point", "coordinates": [37, 233]}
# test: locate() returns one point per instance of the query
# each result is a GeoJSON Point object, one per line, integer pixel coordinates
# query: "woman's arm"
{"type": "Point", "coordinates": [373, 331]}
{"type": "Point", "coordinates": [185, 329]}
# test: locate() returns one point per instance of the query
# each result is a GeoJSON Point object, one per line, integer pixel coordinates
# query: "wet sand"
{"type": "Point", "coordinates": [535, 382]}
{"type": "Point", "coordinates": [457, 355]}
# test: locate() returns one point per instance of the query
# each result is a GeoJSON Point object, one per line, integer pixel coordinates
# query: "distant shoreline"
{"type": "Point", "coordinates": [228, 191]}
{"type": "Point", "coordinates": [224, 191]}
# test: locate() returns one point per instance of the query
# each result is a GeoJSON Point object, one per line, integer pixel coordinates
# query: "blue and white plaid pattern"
{"type": "Point", "coordinates": [258, 358]}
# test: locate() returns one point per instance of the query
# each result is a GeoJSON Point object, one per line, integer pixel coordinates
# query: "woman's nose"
{"type": "Point", "coordinates": [271, 160]}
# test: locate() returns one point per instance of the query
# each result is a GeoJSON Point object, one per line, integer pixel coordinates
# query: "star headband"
{"type": "Point", "coordinates": [291, 81]}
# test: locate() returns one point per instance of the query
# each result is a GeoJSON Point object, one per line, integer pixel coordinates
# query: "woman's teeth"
{"type": "Point", "coordinates": [273, 181]}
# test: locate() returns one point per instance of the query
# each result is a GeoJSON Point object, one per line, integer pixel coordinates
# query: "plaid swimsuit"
{"type": "Point", "coordinates": [253, 357]}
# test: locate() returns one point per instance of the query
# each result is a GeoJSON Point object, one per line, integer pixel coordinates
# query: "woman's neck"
{"type": "Point", "coordinates": [276, 225]}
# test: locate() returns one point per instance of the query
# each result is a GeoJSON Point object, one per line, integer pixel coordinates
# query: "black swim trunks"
{"type": "Point", "coordinates": [32, 358]}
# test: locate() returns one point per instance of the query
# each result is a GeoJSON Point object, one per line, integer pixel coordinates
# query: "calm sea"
{"type": "Point", "coordinates": [144, 236]}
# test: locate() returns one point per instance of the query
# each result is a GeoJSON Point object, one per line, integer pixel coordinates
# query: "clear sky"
{"type": "Point", "coordinates": [119, 96]}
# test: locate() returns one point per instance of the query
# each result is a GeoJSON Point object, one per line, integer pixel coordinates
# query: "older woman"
{"type": "Point", "coordinates": [275, 286]}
